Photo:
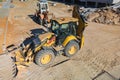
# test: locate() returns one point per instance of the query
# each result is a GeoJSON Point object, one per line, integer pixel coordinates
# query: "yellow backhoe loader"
{"type": "Point", "coordinates": [65, 37]}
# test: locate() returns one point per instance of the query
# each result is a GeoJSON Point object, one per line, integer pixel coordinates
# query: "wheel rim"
{"type": "Point", "coordinates": [46, 59]}
{"type": "Point", "coordinates": [72, 50]}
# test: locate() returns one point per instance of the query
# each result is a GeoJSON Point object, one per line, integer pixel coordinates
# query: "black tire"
{"type": "Point", "coordinates": [8, 68]}
{"type": "Point", "coordinates": [39, 57]}
{"type": "Point", "coordinates": [69, 46]}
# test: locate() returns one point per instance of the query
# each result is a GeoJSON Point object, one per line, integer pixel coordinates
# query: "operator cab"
{"type": "Point", "coordinates": [63, 27]}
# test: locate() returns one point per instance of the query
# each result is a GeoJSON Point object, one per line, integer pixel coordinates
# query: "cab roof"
{"type": "Point", "coordinates": [65, 20]}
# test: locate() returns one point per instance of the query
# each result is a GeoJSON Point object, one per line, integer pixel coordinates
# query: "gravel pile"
{"type": "Point", "coordinates": [105, 16]}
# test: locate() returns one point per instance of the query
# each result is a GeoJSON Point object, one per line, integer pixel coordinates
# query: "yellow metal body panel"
{"type": "Point", "coordinates": [50, 41]}
{"type": "Point", "coordinates": [47, 43]}
{"type": "Point", "coordinates": [38, 48]}
{"type": "Point", "coordinates": [44, 36]}
{"type": "Point", "coordinates": [68, 39]}
{"type": "Point", "coordinates": [65, 20]}
{"type": "Point", "coordinates": [82, 41]}
{"type": "Point", "coordinates": [71, 37]}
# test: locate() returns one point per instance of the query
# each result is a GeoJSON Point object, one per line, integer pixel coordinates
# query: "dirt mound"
{"type": "Point", "coordinates": [105, 16]}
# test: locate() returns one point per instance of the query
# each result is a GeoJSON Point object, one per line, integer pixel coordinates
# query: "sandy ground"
{"type": "Point", "coordinates": [97, 60]}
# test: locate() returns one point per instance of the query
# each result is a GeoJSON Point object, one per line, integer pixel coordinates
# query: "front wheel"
{"type": "Point", "coordinates": [44, 58]}
{"type": "Point", "coordinates": [71, 48]}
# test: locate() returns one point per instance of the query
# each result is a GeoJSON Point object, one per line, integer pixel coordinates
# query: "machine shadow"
{"type": "Point", "coordinates": [37, 31]}
{"type": "Point", "coordinates": [33, 33]}
{"type": "Point", "coordinates": [60, 63]}
{"type": "Point", "coordinates": [34, 18]}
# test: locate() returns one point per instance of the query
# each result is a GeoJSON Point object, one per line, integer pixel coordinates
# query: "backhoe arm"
{"type": "Point", "coordinates": [81, 21]}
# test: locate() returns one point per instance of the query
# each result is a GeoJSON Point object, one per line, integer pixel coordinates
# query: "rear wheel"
{"type": "Point", "coordinates": [71, 48]}
{"type": "Point", "coordinates": [8, 68]}
{"type": "Point", "coordinates": [45, 57]}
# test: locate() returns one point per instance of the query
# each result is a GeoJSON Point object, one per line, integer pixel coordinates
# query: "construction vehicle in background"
{"type": "Point", "coordinates": [43, 6]}
{"type": "Point", "coordinates": [43, 15]}
{"type": "Point", "coordinates": [65, 36]}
